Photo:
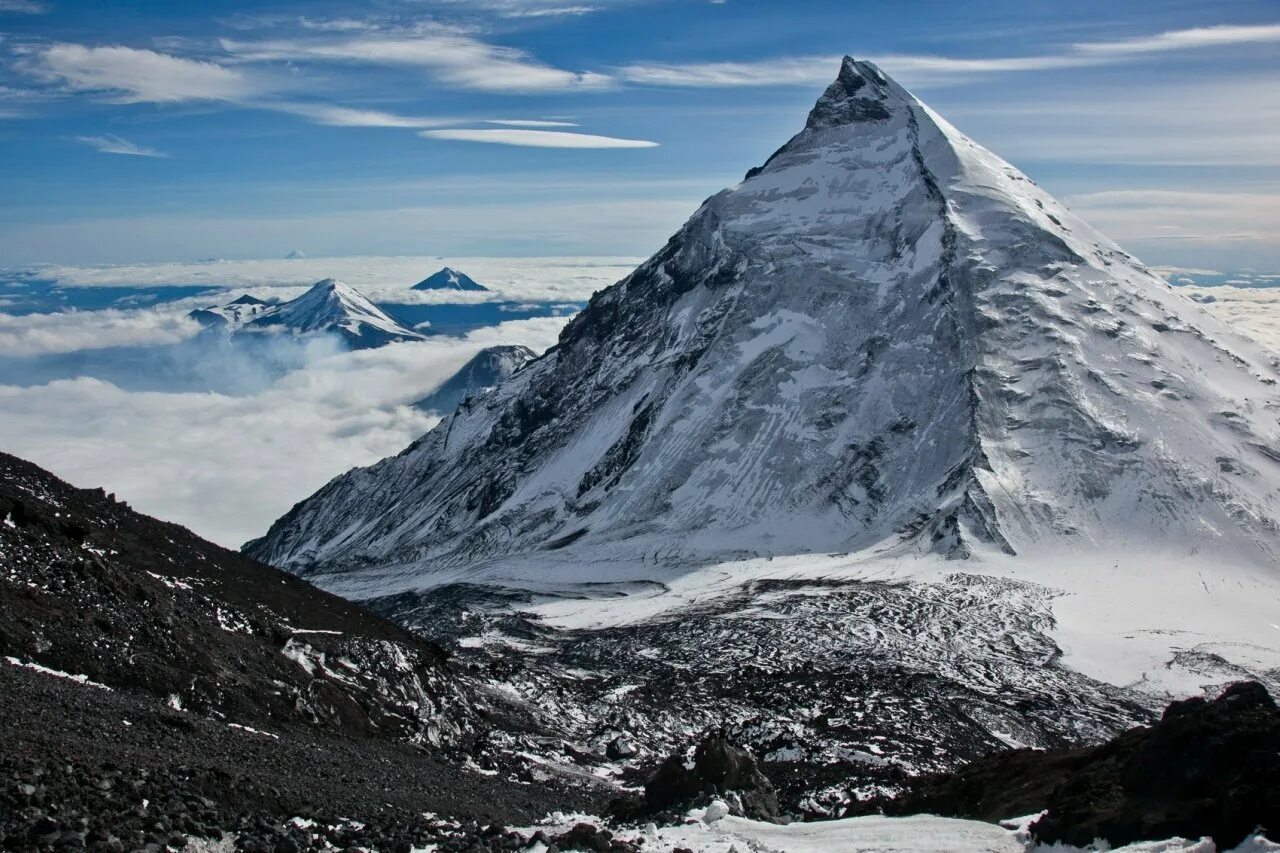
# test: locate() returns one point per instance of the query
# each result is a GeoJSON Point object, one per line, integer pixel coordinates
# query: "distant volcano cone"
{"type": "Point", "coordinates": [449, 279]}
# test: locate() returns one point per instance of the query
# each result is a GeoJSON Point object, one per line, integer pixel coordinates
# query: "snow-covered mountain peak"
{"type": "Point", "coordinates": [329, 306]}
{"type": "Point", "coordinates": [449, 278]}
{"type": "Point", "coordinates": [884, 340]}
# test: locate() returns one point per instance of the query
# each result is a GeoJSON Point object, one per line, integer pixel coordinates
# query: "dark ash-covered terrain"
{"type": "Point", "coordinates": [154, 685]}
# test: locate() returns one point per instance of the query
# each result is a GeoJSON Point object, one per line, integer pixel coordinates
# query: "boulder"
{"type": "Point", "coordinates": [1206, 768]}
{"type": "Point", "coordinates": [719, 769]}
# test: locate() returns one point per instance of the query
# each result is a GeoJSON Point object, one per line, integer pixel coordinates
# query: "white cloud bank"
{"type": "Point", "coordinates": [1253, 311]}
{"type": "Point", "coordinates": [228, 466]}
{"type": "Point", "coordinates": [70, 331]}
{"type": "Point", "coordinates": [566, 279]}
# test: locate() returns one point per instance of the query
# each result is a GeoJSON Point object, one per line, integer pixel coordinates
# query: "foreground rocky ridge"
{"type": "Point", "coordinates": [154, 685]}
{"type": "Point", "coordinates": [97, 590]}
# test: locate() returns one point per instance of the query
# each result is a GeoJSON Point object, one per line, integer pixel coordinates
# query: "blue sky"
{"type": "Point", "coordinates": [150, 131]}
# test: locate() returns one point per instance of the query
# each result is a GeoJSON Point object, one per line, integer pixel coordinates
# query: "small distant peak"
{"type": "Point", "coordinates": [295, 255]}
{"type": "Point", "coordinates": [860, 93]}
{"type": "Point", "coordinates": [449, 278]}
{"type": "Point", "coordinates": [248, 300]}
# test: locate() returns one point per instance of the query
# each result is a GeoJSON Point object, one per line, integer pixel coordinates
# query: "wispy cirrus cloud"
{"type": "Point", "coordinates": [1182, 215]}
{"type": "Point", "coordinates": [924, 69]}
{"type": "Point", "coordinates": [131, 75]}
{"type": "Point", "coordinates": [818, 70]}
{"type": "Point", "coordinates": [528, 122]}
{"type": "Point", "coordinates": [1141, 124]}
{"type": "Point", "coordinates": [551, 11]}
{"type": "Point", "coordinates": [453, 58]}
{"type": "Point", "coordinates": [24, 7]}
{"type": "Point", "coordinates": [1196, 37]}
{"type": "Point", "coordinates": [339, 116]}
{"type": "Point", "coordinates": [111, 144]}
{"type": "Point", "coordinates": [536, 138]}
{"type": "Point", "coordinates": [532, 8]}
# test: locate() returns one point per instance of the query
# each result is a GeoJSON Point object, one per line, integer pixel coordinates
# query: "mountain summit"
{"type": "Point", "coordinates": [886, 341]}
{"type": "Point", "coordinates": [449, 279]}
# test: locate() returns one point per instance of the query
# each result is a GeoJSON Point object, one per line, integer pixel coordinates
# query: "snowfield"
{"type": "Point", "coordinates": [916, 834]}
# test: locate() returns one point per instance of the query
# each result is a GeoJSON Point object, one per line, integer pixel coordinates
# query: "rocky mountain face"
{"type": "Point", "coordinates": [449, 279]}
{"type": "Point", "coordinates": [489, 368]}
{"type": "Point", "coordinates": [329, 307]}
{"type": "Point", "coordinates": [885, 339]}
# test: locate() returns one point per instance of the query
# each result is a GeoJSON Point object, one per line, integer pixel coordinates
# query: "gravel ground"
{"type": "Point", "coordinates": [88, 767]}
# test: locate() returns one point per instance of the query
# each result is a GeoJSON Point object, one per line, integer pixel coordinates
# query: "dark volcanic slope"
{"type": "Point", "coordinates": [222, 695]}
{"type": "Point", "coordinates": [92, 588]}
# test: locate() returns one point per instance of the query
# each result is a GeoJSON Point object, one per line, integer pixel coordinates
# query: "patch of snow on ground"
{"type": "Point", "coordinates": [709, 831]}
{"type": "Point", "coordinates": [79, 679]}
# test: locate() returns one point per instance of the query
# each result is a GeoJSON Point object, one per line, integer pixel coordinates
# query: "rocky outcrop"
{"type": "Point", "coordinates": [1206, 768]}
{"type": "Point", "coordinates": [718, 770]}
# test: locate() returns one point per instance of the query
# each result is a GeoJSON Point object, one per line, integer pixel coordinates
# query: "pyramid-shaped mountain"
{"type": "Point", "coordinates": [885, 340]}
{"type": "Point", "coordinates": [487, 369]}
{"type": "Point", "coordinates": [449, 279]}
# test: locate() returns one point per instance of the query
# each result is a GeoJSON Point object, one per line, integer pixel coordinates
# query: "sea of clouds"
{"type": "Point", "coordinates": [224, 438]}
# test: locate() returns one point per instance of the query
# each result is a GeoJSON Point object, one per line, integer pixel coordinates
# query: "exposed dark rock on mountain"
{"type": "Point", "coordinates": [449, 279]}
{"type": "Point", "coordinates": [1206, 768]}
{"type": "Point", "coordinates": [835, 686]}
{"type": "Point", "coordinates": [719, 768]}
{"type": "Point", "coordinates": [487, 369]}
